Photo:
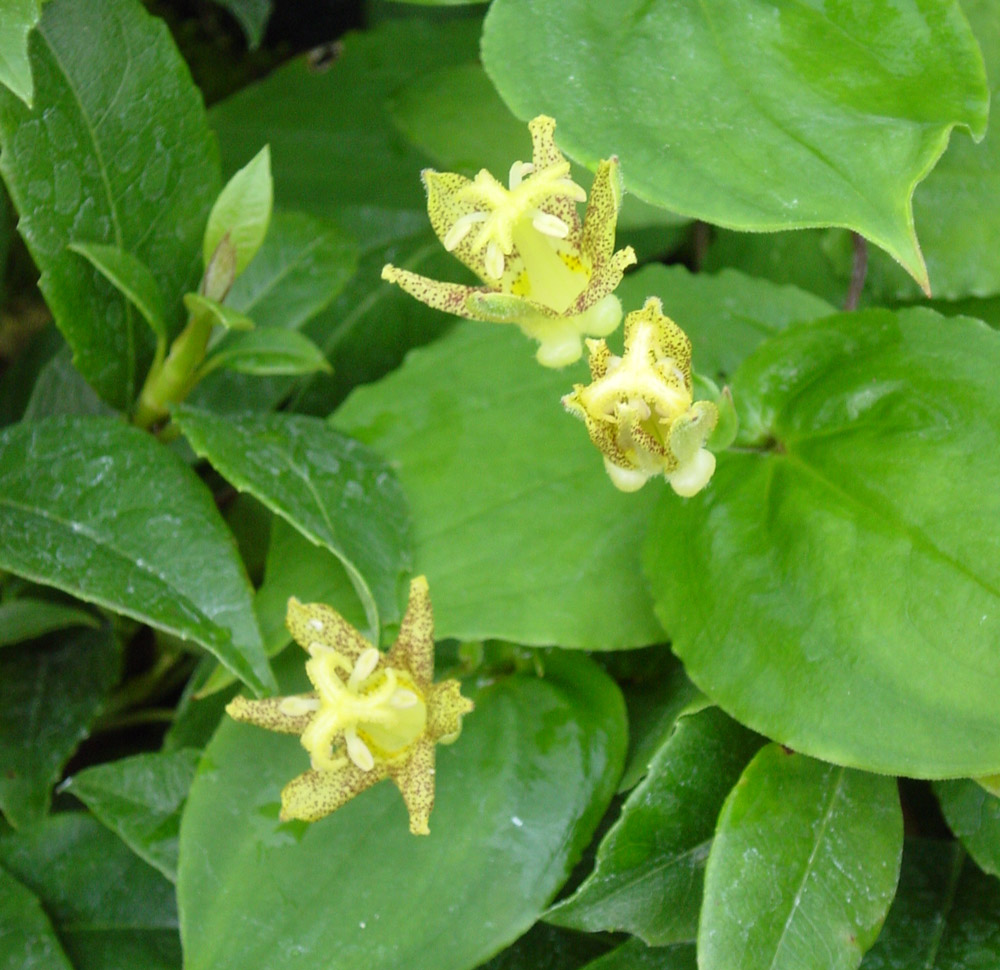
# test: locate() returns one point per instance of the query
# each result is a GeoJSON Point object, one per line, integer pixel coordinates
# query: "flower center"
{"type": "Point", "coordinates": [379, 711]}
{"type": "Point", "coordinates": [505, 213]}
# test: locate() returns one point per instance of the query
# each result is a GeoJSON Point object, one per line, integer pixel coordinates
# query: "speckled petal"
{"type": "Point", "coordinates": [414, 647]}
{"type": "Point", "coordinates": [317, 623]}
{"type": "Point", "coordinates": [267, 714]}
{"type": "Point", "coordinates": [445, 708]}
{"type": "Point", "coordinates": [315, 794]}
{"type": "Point", "coordinates": [445, 208]}
{"type": "Point", "coordinates": [414, 778]}
{"type": "Point", "coordinates": [601, 217]}
{"type": "Point", "coordinates": [450, 298]}
{"type": "Point", "coordinates": [544, 155]}
{"type": "Point", "coordinates": [604, 280]}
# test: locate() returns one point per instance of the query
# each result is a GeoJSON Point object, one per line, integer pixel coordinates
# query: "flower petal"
{"type": "Point", "coordinates": [414, 778]}
{"type": "Point", "coordinates": [448, 297]}
{"type": "Point", "coordinates": [445, 709]}
{"type": "Point", "coordinates": [268, 714]}
{"type": "Point", "coordinates": [545, 155]}
{"type": "Point", "coordinates": [314, 794]}
{"type": "Point", "coordinates": [601, 218]}
{"type": "Point", "coordinates": [414, 647]}
{"type": "Point", "coordinates": [311, 623]}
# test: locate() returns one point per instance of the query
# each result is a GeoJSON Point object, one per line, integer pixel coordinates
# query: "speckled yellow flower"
{"type": "Point", "coordinates": [542, 267]}
{"type": "Point", "coordinates": [371, 715]}
{"type": "Point", "coordinates": [638, 408]}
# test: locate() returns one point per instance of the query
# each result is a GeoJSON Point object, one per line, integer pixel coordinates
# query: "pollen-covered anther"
{"type": "Point", "coordinates": [462, 227]}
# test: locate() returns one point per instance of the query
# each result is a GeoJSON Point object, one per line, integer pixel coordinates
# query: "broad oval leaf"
{"type": "Point", "coordinates": [140, 799]}
{"type": "Point", "coordinates": [110, 909]}
{"type": "Point", "coordinates": [515, 523]}
{"type": "Point", "coordinates": [17, 20]}
{"type": "Point", "coordinates": [116, 150]}
{"type": "Point", "coordinates": [946, 915]}
{"type": "Point", "coordinates": [648, 876]}
{"type": "Point", "coordinates": [518, 796]}
{"type": "Point", "coordinates": [635, 955]}
{"type": "Point", "coordinates": [105, 512]}
{"type": "Point", "coordinates": [803, 867]}
{"type": "Point", "coordinates": [834, 587]}
{"type": "Point", "coordinates": [335, 491]}
{"type": "Point", "coordinates": [973, 814]}
{"type": "Point", "coordinates": [747, 114]}
{"type": "Point", "coordinates": [53, 691]}
{"type": "Point", "coordinates": [27, 939]}
{"type": "Point", "coordinates": [26, 618]}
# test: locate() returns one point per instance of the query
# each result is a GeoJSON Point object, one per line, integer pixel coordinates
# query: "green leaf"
{"type": "Point", "coordinates": [131, 277]}
{"type": "Point", "coordinates": [846, 111]}
{"type": "Point", "coordinates": [252, 16]}
{"type": "Point", "coordinates": [62, 389]}
{"type": "Point", "coordinates": [546, 947]}
{"type": "Point", "coordinates": [53, 690]}
{"type": "Point", "coordinates": [518, 529]}
{"type": "Point", "coordinates": [834, 588]}
{"type": "Point", "coordinates": [337, 493]}
{"type": "Point", "coordinates": [27, 618]}
{"type": "Point", "coordinates": [111, 910]}
{"type": "Point", "coordinates": [648, 876]}
{"type": "Point", "coordinates": [726, 315]}
{"type": "Point", "coordinates": [140, 800]}
{"type": "Point", "coordinates": [635, 955]}
{"type": "Point", "coordinates": [518, 796]}
{"type": "Point", "coordinates": [335, 150]}
{"type": "Point", "coordinates": [27, 940]}
{"type": "Point", "coordinates": [302, 265]}
{"type": "Point", "coordinates": [803, 867]}
{"type": "Point", "coordinates": [218, 314]}
{"type": "Point", "coordinates": [17, 19]}
{"type": "Point", "coordinates": [973, 814]}
{"type": "Point", "coordinates": [106, 513]}
{"type": "Point", "coordinates": [242, 211]}
{"type": "Point", "coordinates": [946, 915]}
{"type": "Point", "coordinates": [117, 151]}
{"type": "Point", "coordinates": [268, 352]}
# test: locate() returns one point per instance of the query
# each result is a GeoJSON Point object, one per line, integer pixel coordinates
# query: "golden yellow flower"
{"type": "Point", "coordinates": [371, 715]}
{"type": "Point", "coordinates": [638, 408]}
{"type": "Point", "coordinates": [542, 267]}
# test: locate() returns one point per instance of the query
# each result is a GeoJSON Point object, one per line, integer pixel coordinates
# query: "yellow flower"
{"type": "Point", "coordinates": [638, 408]}
{"type": "Point", "coordinates": [542, 268]}
{"type": "Point", "coordinates": [371, 715]}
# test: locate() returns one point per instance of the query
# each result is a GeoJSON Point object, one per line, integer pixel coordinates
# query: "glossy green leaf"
{"type": "Point", "coordinates": [140, 800]}
{"type": "Point", "coordinates": [635, 955]}
{"type": "Point", "coordinates": [252, 16]}
{"type": "Point", "coordinates": [110, 909]}
{"type": "Point", "coordinates": [62, 390]}
{"type": "Point", "coordinates": [100, 158]}
{"type": "Point", "coordinates": [337, 493]}
{"type": "Point", "coordinates": [17, 19]}
{"type": "Point", "coordinates": [726, 315]}
{"type": "Point", "coordinates": [946, 915]}
{"type": "Point", "coordinates": [803, 866]}
{"type": "Point", "coordinates": [27, 618]}
{"type": "Point", "coordinates": [218, 314]}
{"type": "Point", "coordinates": [648, 877]}
{"type": "Point", "coordinates": [242, 211]}
{"type": "Point", "coordinates": [268, 352]}
{"type": "Point", "coordinates": [53, 690]}
{"type": "Point", "coordinates": [27, 940]}
{"type": "Point", "coordinates": [846, 112]}
{"type": "Point", "coordinates": [834, 587]}
{"type": "Point", "coordinates": [131, 278]}
{"type": "Point", "coordinates": [546, 947]}
{"type": "Point", "coordinates": [518, 796]}
{"type": "Point", "coordinates": [105, 512]}
{"type": "Point", "coordinates": [973, 814]}
{"type": "Point", "coordinates": [516, 525]}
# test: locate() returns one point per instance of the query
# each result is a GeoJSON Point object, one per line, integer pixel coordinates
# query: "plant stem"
{"type": "Point", "coordinates": [859, 270]}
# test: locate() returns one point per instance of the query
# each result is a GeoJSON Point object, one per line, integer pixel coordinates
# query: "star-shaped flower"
{"type": "Point", "coordinates": [371, 715]}
{"type": "Point", "coordinates": [542, 267]}
{"type": "Point", "coordinates": [638, 408]}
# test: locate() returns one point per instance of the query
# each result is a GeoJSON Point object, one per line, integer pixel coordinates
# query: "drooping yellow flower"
{"type": "Point", "coordinates": [371, 715]}
{"type": "Point", "coordinates": [638, 408]}
{"type": "Point", "coordinates": [542, 267]}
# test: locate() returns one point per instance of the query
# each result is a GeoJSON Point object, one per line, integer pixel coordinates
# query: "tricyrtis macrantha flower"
{"type": "Point", "coordinates": [542, 268]}
{"type": "Point", "coordinates": [371, 715]}
{"type": "Point", "coordinates": [638, 408]}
